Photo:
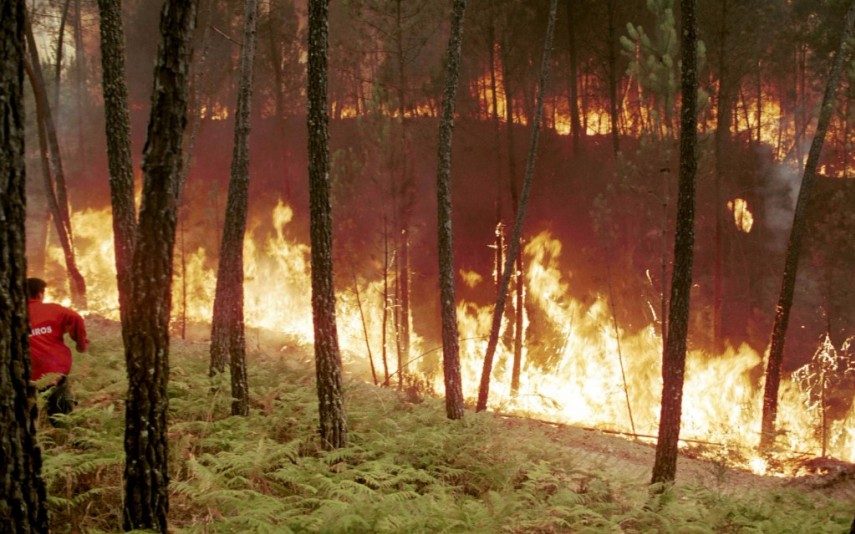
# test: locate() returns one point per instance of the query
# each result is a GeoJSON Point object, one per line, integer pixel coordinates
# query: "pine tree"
{"type": "Point", "coordinates": [450, 345]}
{"type": "Point", "coordinates": [118, 132]}
{"type": "Point", "coordinates": [227, 329]}
{"type": "Point", "coordinates": [794, 245]}
{"type": "Point", "coordinates": [514, 246]}
{"type": "Point", "coordinates": [146, 474]}
{"type": "Point", "coordinates": [674, 357]}
{"type": "Point", "coordinates": [23, 499]}
{"type": "Point", "coordinates": [333, 426]}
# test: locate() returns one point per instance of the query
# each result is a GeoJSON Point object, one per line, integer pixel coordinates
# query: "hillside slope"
{"type": "Point", "coordinates": [407, 469]}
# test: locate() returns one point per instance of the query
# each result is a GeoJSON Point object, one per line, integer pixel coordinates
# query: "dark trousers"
{"type": "Point", "coordinates": [59, 399]}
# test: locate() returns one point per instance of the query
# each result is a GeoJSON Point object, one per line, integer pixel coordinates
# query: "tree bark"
{"type": "Point", "coordinates": [23, 499]}
{"type": "Point", "coordinates": [575, 125]}
{"type": "Point", "coordinates": [514, 246]}
{"type": "Point", "coordinates": [721, 140]}
{"type": "Point", "coordinates": [791, 261]}
{"type": "Point", "coordinates": [450, 344]}
{"type": "Point", "coordinates": [228, 336]}
{"type": "Point", "coordinates": [333, 426]}
{"type": "Point", "coordinates": [62, 216]}
{"type": "Point", "coordinates": [674, 359]}
{"type": "Point", "coordinates": [146, 473]}
{"type": "Point", "coordinates": [120, 161]}
{"type": "Point", "coordinates": [60, 47]}
{"type": "Point", "coordinates": [613, 76]}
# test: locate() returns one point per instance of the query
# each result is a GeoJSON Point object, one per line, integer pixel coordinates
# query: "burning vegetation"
{"type": "Point", "coordinates": [615, 201]}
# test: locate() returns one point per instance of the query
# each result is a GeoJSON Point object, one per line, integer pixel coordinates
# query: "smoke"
{"type": "Point", "coordinates": [779, 199]}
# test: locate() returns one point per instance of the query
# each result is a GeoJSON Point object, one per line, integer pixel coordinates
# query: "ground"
{"type": "Point", "coordinates": [408, 469]}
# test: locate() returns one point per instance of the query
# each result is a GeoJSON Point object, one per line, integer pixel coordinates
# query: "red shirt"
{"type": "Point", "coordinates": [48, 324]}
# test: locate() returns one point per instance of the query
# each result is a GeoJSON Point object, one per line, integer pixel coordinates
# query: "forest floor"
{"type": "Point", "coordinates": [407, 468]}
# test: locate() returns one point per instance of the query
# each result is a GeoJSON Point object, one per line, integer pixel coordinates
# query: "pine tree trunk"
{"type": "Point", "coordinates": [514, 246]}
{"type": "Point", "coordinates": [791, 262]}
{"type": "Point", "coordinates": [519, 292]}
{"type": "Point", "coordinates": [118, 132]}
{"type": "Point", "coordinates": [228, 336]}
{"type": "Point", "coordinates": [60, 47]}
{"type": "Point", "coordinates": [674, 359]}
{"type": "Point", "coordinates": [333, 427]}
{"type": "Point", "coordinates": [23, 499]}
{"type": "Point", "coordinates": [722, 138]}
{"type": "Point", "coordinates": [575, 125]}
{"type": "Point", "coordinates": [147, 347]}
{"type": "Point", "coordinates": [450, 344]}
{"type": "Point", "coordinates": [613, 76]}
{"type": "Point", "coordinates": [62, 216]}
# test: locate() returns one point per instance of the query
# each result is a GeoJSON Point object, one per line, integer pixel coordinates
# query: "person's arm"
{"type": "Point", "coordinates": [76, 328]}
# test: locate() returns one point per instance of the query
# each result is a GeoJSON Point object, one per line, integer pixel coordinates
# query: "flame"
{"type": "Point", "coordinates": [470, 278]}
{"type": "Point", "coordinates": [742, 216]}
{"type": "Point", "coordinates": [573, 376]}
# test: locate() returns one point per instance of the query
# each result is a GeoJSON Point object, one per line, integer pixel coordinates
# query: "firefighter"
{"type": "Point", "coordinates": [49, 355]}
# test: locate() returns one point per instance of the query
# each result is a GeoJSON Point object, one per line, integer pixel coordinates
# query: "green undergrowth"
{"type": "Point", "coordinates": [407, 468]}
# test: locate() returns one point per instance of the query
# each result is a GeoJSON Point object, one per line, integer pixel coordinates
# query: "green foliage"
{"type": "Point", "coordinates": [408, 469]}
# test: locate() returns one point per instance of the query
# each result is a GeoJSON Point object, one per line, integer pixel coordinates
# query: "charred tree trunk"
{"type": "Point", "coordinates": [146, 472]}
{"type": "Point", "coordinates": [79, 83]}
{"type": "Point", "coordinates": [118, 131]}
{"type": "Point", "coordinates": [514, 246]}
{"type": "Point", "coordinates": [60, 47]}
{"type": "Point", "coordinates": [613, 76]}
{"type": "Point", "coordinates": [385, 326]}
{"type": "Point", "coordinates": [59, 191]}
{"type": "Point", "coordinates": [519, 306]}
{"type": "Point", "coordinates": [23, 499]}
{"type": "Point", "coordinates": [722, 138]}
{"type": "Point", "coordinates": [674, 359]}
{"type": "Point", "coordinates": [228, 336]}
{"type": "Point", "coordinates": [575, 125]}
{"type": "Point", "coordinates": [791, 262]}
{"type": "Point", "coordinates": [450, 345]}
{"type": "Point", "coordinates": [333, 427]}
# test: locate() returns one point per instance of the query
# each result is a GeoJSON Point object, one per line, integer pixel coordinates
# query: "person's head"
{"type": "Point", "coordinates": [36, 288]}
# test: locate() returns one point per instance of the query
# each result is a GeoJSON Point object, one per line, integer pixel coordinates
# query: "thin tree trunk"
{"type": "Point", "coordinates": [23, 499]}
{"type": "Point", "coordinates": [791, 262]}
{"type": "Point", "coordinates": [365, 331]}
{"type": "Point", "coordinates": [63, 217]}
{"type": "Point", "coordinates": [450, 344]}
{"type": "Point", "coordinates": [514, 247]}
{"type": "Point", "coordinates": [228, 333]}
{"type": "Point", "coordinates": [146, 474]}
{"type": "Point", "coordinates": [333, 426]}
{"type": "Point", "coordinates": [80, 83]}
{"type": "Point", "coordinates": [575, 126]}
{"type": "Point", "coordinates": [722, 138]}
{"type": "Point", "coordinates": [674, 360]}
{"type": "Point", "coordinates": [613, 76]}
{"type": "Point", "coordinates": [118, 133]}
{"type": "Point", "coordinates": [519, 306]}
{"type": "Point", "coordinates": [74, 277]}
{"type": "Point", "coordinates": [60, 47]}
{"type": "Point", "coordinates": [385, 301]}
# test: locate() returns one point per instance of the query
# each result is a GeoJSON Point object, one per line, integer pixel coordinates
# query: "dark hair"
{"type": "Point", "coordinates": [35, 287]}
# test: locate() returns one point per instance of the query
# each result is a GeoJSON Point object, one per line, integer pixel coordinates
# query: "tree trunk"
{"type": "Point", "coordinates": [613, 76]}
{"type": "Point", "coordinates": [674, 359]}
{"type": "Point", "coordinates": [722, 138]}
{"type": "Point", "coordinates": [385, 326]}
{"type": "Point", "coordinates": [23, 499]}
{"type": "Point", "coordinates": [146, 472]}
{"type": "Point", "coordinates": [228, 336]}
{"type": "Point", "coordinates": [62, 216]}
{"type": "Point", "coordinates": [333, 426]}
{"type": "Point", "coordinates": [450, 346]}
{"type": "Point", "coordinates": [514, 246]}
{"type": "Point", "coordinates": [118, 132]}
{"type": "Point", "coordinates": [519, 306]}
{"type": "Point", "coordinates": [791, 262]}
{"type": "Point", "coordinates": [79, 85]}
{"type": "Point", "coordinates": [60, 47]}
{"type": "Point", "coordinates": [575, 125]}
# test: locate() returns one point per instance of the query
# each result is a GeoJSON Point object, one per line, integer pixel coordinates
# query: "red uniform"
{"type": "Point", "coordinates": [48, 324]}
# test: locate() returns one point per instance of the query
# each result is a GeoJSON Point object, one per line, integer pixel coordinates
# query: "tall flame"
{"type": "Point", "coordinates": [580, 381]}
